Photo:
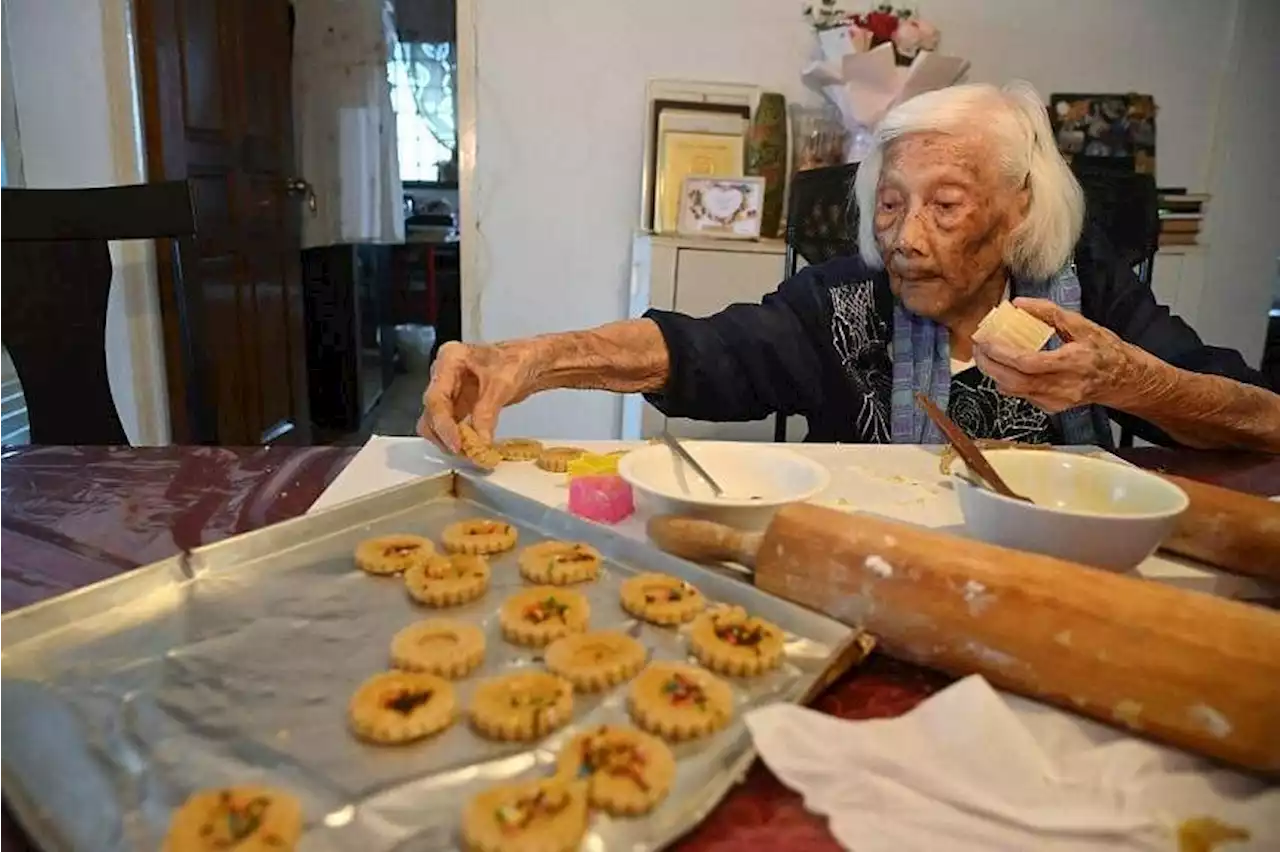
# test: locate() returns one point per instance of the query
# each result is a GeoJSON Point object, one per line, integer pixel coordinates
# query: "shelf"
{"type": "Point", "coordinates": [714, 244]}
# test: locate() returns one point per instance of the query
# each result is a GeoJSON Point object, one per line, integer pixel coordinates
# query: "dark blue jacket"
{"type": "Point", "coordinates": [750, 361]}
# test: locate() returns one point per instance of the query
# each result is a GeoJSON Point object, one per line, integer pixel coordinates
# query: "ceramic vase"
{"type": "Point", "coordinates": [767, 157]}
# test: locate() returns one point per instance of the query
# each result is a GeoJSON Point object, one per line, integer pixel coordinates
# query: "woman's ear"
{"type": "Point", "coordinates": [1021, 206]}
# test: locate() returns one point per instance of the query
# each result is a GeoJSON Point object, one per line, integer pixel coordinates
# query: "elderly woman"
{"type": "Point", "coordinates": [963, 203]}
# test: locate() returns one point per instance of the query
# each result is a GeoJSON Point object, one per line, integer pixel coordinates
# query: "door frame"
{"type": "Point", "coordinates": [160, 82]}
{"type": "Point", "coordinates": [471, 285]}
{"type": "Point", "coordinates": [10, 140]}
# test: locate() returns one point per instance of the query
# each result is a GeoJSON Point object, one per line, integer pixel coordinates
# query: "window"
{"type": "Point", "coordinates": [422, 79]}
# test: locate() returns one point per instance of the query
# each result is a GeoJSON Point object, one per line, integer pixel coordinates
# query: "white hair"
{"type": "Point", "coordinates": [1016, 124]}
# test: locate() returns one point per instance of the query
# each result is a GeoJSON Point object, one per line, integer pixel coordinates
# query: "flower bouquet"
{"type": "Point", "coordinates": [873, 61]}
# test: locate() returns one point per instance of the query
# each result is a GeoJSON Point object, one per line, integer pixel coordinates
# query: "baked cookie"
{"type": "Point", "coordinates": [559, 563]}
{"type": "Point", "coordinates": [679, 701]}
{"type": "Point", "coordinates": [519, 449]}
{"type": "Point", "coordinates": [556, 459]}
{"type": "Point", "coordinates": [521, 706]}
{"type": "Point", "coordinates": [545, 815]}
{"type": "Point", "coordinates": [479, 535]}
{"type": "Point", "coordinates": [396, 707]}
{"type": "Point", "coordinates": [595, 661]}
{"type": "Point", "coordinates": [729, 641]}
{"type": "Point", "coordinates": [450, 649]}
{"type": "Point", "coordinates": [448, 580]}
{"type": "Point", "coordinates": [542, 614]}
{"type": "Point", "coordinates": [627, 771]}
{"type": "Point", "coordinates": [478, 451]}
{"type": "Point", "coordinates": [248, 818]}
{"type": "Point", "coordinates": [661, 599]}
{"type": "Point", "coordinates": [393, 554]}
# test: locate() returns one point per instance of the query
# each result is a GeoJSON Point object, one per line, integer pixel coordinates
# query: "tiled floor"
{"type": "Point", "coordinates": [400, 406]}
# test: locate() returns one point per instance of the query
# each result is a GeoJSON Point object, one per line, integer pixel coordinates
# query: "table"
{"type": "Point", "coordinates": [73, 516]}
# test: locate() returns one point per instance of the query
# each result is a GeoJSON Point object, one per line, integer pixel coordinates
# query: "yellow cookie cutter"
{"type": "Point", "coordinates": [595, 464]}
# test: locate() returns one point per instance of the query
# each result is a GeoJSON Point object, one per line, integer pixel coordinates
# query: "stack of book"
{"type": "Point", "coordinates": [1181, 213]}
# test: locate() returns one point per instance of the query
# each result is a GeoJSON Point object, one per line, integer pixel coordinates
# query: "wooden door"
{"type": "Point", "coordinates": [217, 106]}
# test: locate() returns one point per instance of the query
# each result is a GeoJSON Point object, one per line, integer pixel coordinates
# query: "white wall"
{"type": "Point", "coordinates": [559, 102]}
{"type": "Point", "coordinates": [79, 124]}
{"type": "Point", "coordinates": [12, 162]}
{"type": "Point", "coordinates": [1244, 218]}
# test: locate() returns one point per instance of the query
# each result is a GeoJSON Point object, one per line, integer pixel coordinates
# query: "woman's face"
{"type": "Point", "coordinates": [943, 217]}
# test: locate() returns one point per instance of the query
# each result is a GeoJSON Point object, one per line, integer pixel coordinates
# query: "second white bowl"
{"type": "Point", "coordinates": [1092, 511]}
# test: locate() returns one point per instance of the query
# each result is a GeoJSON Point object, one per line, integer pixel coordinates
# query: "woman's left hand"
{"type": "Point", "coordinates": [1092, 366]}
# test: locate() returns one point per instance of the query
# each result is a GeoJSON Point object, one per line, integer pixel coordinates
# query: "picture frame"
{"type": "Point", "coordinates": [714, 100]}
{"type": "Point", "coordinates": [721, 207]}
{"type": "Point", "coordinates": [1106, 129]}
{"type": "Point", "coordinates": [684, 153]}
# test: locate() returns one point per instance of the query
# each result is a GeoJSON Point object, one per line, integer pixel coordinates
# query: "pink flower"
{"type": "Point", "coordinates": [906, 39]}
{"type": "Point", "coordinates": [914, 35]}
{"type": "Point", "coordinates": [929, 35]}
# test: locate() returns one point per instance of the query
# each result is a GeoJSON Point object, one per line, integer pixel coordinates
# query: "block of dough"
{"type": "Point", "coordinates": [1014, 328]}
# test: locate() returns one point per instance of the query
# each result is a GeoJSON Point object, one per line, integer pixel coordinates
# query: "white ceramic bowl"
{"type": "Point", "coordinates": [757, 479]}
{"type": "Point", "coordinates": [1087, 510]}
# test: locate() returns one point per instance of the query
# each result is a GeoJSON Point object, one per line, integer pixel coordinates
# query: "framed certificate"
{"type": "Point", "coordinates": [687, 107]}
{"type": "Point", "coordinates": [682, 154]}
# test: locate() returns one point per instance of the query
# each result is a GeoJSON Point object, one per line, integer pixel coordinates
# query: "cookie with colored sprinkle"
{"type": "Point", "coordinates": [678, 701]}
{"type": "Point", "coordinates": [247, 818]}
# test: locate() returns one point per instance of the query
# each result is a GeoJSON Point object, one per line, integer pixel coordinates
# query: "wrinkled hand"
{"type": "Point", "coordinates": [476, 382]}
{"type": "Point", "coordinates": [1093, 365]}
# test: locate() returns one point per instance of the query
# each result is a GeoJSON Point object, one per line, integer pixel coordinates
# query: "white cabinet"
{"type": "Point", "coordinates": [1177, 279]}
{"type": "Point", "coordinates": [699, 277]}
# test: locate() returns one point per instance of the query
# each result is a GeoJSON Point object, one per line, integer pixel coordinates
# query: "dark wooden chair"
{"type": "Point", "coordinates": [822, 223]}
{"type": "Point", "coordinates": [57, 277]}
{"type": "Point", "coordinates": [1125, 206]}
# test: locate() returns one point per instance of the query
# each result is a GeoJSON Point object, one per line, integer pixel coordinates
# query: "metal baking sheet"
{"type": "Point", "coordinates": [235, 663]}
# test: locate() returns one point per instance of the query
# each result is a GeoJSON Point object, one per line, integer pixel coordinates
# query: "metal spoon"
{"type": "Point", "coordinates": [968, 450]}
{"type": "Point", "coordinates": [680, 451]}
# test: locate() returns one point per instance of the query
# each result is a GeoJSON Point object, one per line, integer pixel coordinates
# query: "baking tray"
{"type": "Point", "coordinates": [235, 663]}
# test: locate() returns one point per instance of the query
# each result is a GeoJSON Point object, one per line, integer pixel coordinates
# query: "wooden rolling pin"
{"type": "Point", "coordinates": [1236, 532]}
{"type": "Point", "coordinates": [1187, 668]}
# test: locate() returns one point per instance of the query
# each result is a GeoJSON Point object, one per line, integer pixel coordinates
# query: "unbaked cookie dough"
{"type": "Point", "coordinates": [521, 706]}
{"type": "Point", "coordinates": [556, 459]}
{"type": "Point", "coordinates": [519, 449]}
{"type": "Point", "coordinates": [539, 615]}
{"type": "Point", "coordinates": [729, 641]}
{"type": "Point", "coordinates": [393, 554]}
{"type": "Point", "coordinates": [397, 707]}
{"type": "Point", "coordinates": [627, 771]}
{"type": "Point", "coordinates": [246, 818]}
{"type": "Point", "coordinates": [661, 599]}
{"type": "Point", "coordinates": [450, 649]}
{"type": "Point", "coordinates": [545, 815]}
{"type": "Point", "coordinates": [482, 454]}
{"type": "Point", "coordinates": [559, 563]}
{"type": "Point", "coordinates": [596, 660]}
{"type": "Point", "coordinates": [678, 701]}
{"type": "Point", "coordinates": [479, 535]}
{"type": "Point", "coordinates": [448, 580]}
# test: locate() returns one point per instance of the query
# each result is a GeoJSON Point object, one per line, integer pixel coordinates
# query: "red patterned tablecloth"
{"type": "Point", "coordinates": [73, 516]}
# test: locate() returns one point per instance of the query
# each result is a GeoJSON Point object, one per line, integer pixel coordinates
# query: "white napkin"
{"type": "Point", "coordinates": [971, 769]}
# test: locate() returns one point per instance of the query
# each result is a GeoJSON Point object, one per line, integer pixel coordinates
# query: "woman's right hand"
{"type": "Point", "coordinates": [475, 382]}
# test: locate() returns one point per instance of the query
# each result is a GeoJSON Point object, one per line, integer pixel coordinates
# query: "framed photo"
{"type": "Point", "coordinates": [1100, 128]}
{"type": "Point", "coordinates": [721, 207]}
